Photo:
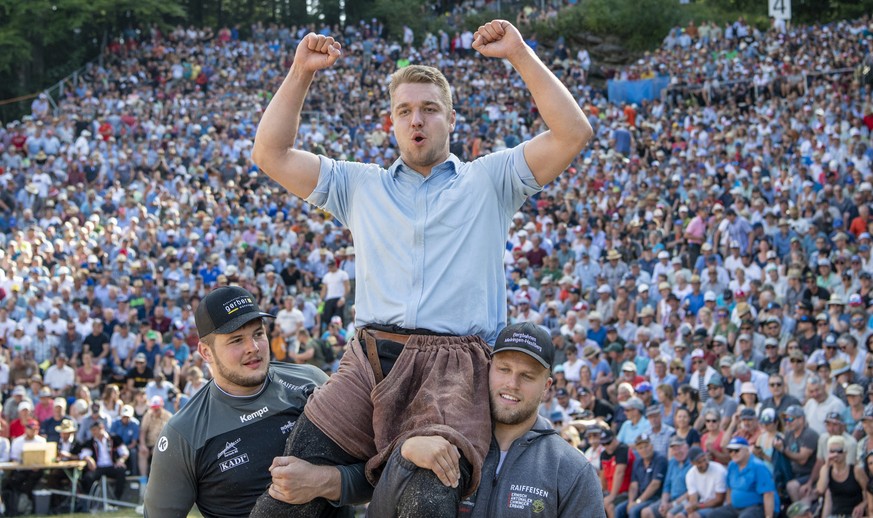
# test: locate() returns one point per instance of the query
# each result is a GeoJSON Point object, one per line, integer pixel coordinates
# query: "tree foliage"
{"type": "Point", "coordinates": [41, 41]}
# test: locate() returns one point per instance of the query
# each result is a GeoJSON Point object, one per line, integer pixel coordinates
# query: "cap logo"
{"type": "Point", "coordinates": [523, 338]}
{"type": "Point", "coordinates": [237, 303]}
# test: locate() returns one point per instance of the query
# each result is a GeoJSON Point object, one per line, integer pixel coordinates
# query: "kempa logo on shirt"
{"type": "Point", "coordinates": [229, 449]}
{"type": "Point", "coordinates": [163, 444]}
{"type": "Point", "coordinates": [257, 414]}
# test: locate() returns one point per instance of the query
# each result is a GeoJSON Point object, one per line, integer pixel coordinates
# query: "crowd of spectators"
{"type": "Point", "coordinates": [704, 266]}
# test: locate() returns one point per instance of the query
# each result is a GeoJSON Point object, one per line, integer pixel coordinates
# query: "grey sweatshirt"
{"type": "Point", "coordinates": [541, 476]}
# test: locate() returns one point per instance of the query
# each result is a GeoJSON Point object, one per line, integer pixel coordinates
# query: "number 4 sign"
{"type": "Point", "coordinates": [780, 9]}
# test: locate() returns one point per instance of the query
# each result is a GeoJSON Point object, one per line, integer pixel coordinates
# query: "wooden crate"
{"type": "Point", "coordinates": [35, 454]}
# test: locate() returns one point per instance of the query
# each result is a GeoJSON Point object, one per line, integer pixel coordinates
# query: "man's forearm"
{"type": "Point", "coordinates": [331, 482]}
{"type": "Point", "coordinates": [650, 491]}
{"type": "Point", "coordinates": [769, 503]}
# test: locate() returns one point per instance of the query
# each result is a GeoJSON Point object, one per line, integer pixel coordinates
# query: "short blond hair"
{"type": "Point", "coordinates": [424, 75]}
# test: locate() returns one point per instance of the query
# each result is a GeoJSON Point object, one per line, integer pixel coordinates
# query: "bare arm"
{"type": "Point", "coordinates": [715, 501]}
{"type": "Point", "coordinates": [823, 480]}
{"type": "Point", "coordinates": [549, 153]}
{"type": "Point", "coordinates": [769, 504]}
{"type": "Point", "coordinates": [617, 479]}
{"type": "Point", "coordinates": [650, 490]}
{"type": "Point", "coordinates": [303, 357]}
{"type": "Point", "coordinates": [273, 151]}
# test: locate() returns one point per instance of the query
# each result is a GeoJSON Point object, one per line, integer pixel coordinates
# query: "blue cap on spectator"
{"type": "Point", "coordinates": [715, 381]}
{"type": "Point", "coordinates": [644, 386]}
{"type": "Point", "coordinates": [737, 443]}
{"type": "Point", "coordinates": [794, 411]}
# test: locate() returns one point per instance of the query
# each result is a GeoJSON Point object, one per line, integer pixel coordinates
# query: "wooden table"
{"type": "Point", "coordinates": [71, 468]}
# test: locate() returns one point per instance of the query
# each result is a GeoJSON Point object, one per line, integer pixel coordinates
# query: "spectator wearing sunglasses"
{"type": "Point", "coordinates": [797, 376]}
{"type": "Point", "coordinates": [779, 400]}
{"type": "Point", "coordinates": [836, 427]}
{"type": "Point", "coordinates": [838, 481]}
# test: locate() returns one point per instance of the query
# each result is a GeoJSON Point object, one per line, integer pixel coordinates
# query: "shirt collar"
{"type": "Point", "coordinates": [452, 165]}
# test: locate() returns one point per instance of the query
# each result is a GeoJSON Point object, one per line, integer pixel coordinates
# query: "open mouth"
{"type": "Point", "coordinates": [253, 364]}
{"type": "Point", "coordinates": [511, 399]}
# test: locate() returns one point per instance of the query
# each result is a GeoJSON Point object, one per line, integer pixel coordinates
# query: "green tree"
{"type": "Point", "coordinates": [41, 41]}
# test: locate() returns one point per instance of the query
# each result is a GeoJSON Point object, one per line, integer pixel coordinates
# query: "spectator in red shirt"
{"type": "Point", "coordinates": [16, 427]}
{"type": "Point", "coordinates": [859, 224]}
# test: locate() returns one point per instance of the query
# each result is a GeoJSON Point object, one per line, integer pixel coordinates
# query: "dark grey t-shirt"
{"type": "Point", "coordinates": [807, 439]}
{"type": "Point", "coordinates": [216, 451]}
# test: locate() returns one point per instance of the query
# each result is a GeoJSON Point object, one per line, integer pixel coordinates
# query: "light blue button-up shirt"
{"type": "Point", "coordinates": [429, 250]}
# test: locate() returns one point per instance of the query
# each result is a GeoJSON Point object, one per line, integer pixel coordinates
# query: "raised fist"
{"type": "Point", "coordinates": [498, 39]}
{"type": "Point", "coordinates": [316, 52]}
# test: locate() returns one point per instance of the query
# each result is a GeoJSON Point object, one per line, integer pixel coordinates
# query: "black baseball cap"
{"type": "Point", "coordinates": [226, 309]}
{"type": "Point", "coordinates": [527, 338]}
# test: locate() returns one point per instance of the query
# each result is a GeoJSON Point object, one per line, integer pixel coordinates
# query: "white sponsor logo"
{"type": "Point", "coordinates": [257, 414]}
{"type": "Point", "coordinates": [528, 489]}
{"type": "Point", "coordinates": [287, 427]}
{"type": "Point", "coordinates": [229, 449]}
{"type": "Point", "coordinates": [163, 444]}
{"type": "Point", "coordinates": [289, 386]}
{"type": "Point", "coordinates": [239, 302]}
{"type": "Point", "coordinates": [234, 462]}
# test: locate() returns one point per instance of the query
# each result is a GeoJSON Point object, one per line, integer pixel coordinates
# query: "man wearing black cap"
{"type": "Point", "coordinates": [718, 401]}
{"type": "Point", "coordinates": [217, 451]}
{"type": "Point", "coordinates": [533, 469]}
{"type": "Point", "coordinates": [589, 401]}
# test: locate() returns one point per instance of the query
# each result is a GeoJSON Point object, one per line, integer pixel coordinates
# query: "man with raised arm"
{"type": "Point", "coordinates": [429, 234]}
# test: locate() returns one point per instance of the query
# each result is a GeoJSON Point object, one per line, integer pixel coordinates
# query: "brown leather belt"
{"type": "Point", "coordinates": [385, 335]}
{"type": "Point", "coordinates": [369, 336]}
